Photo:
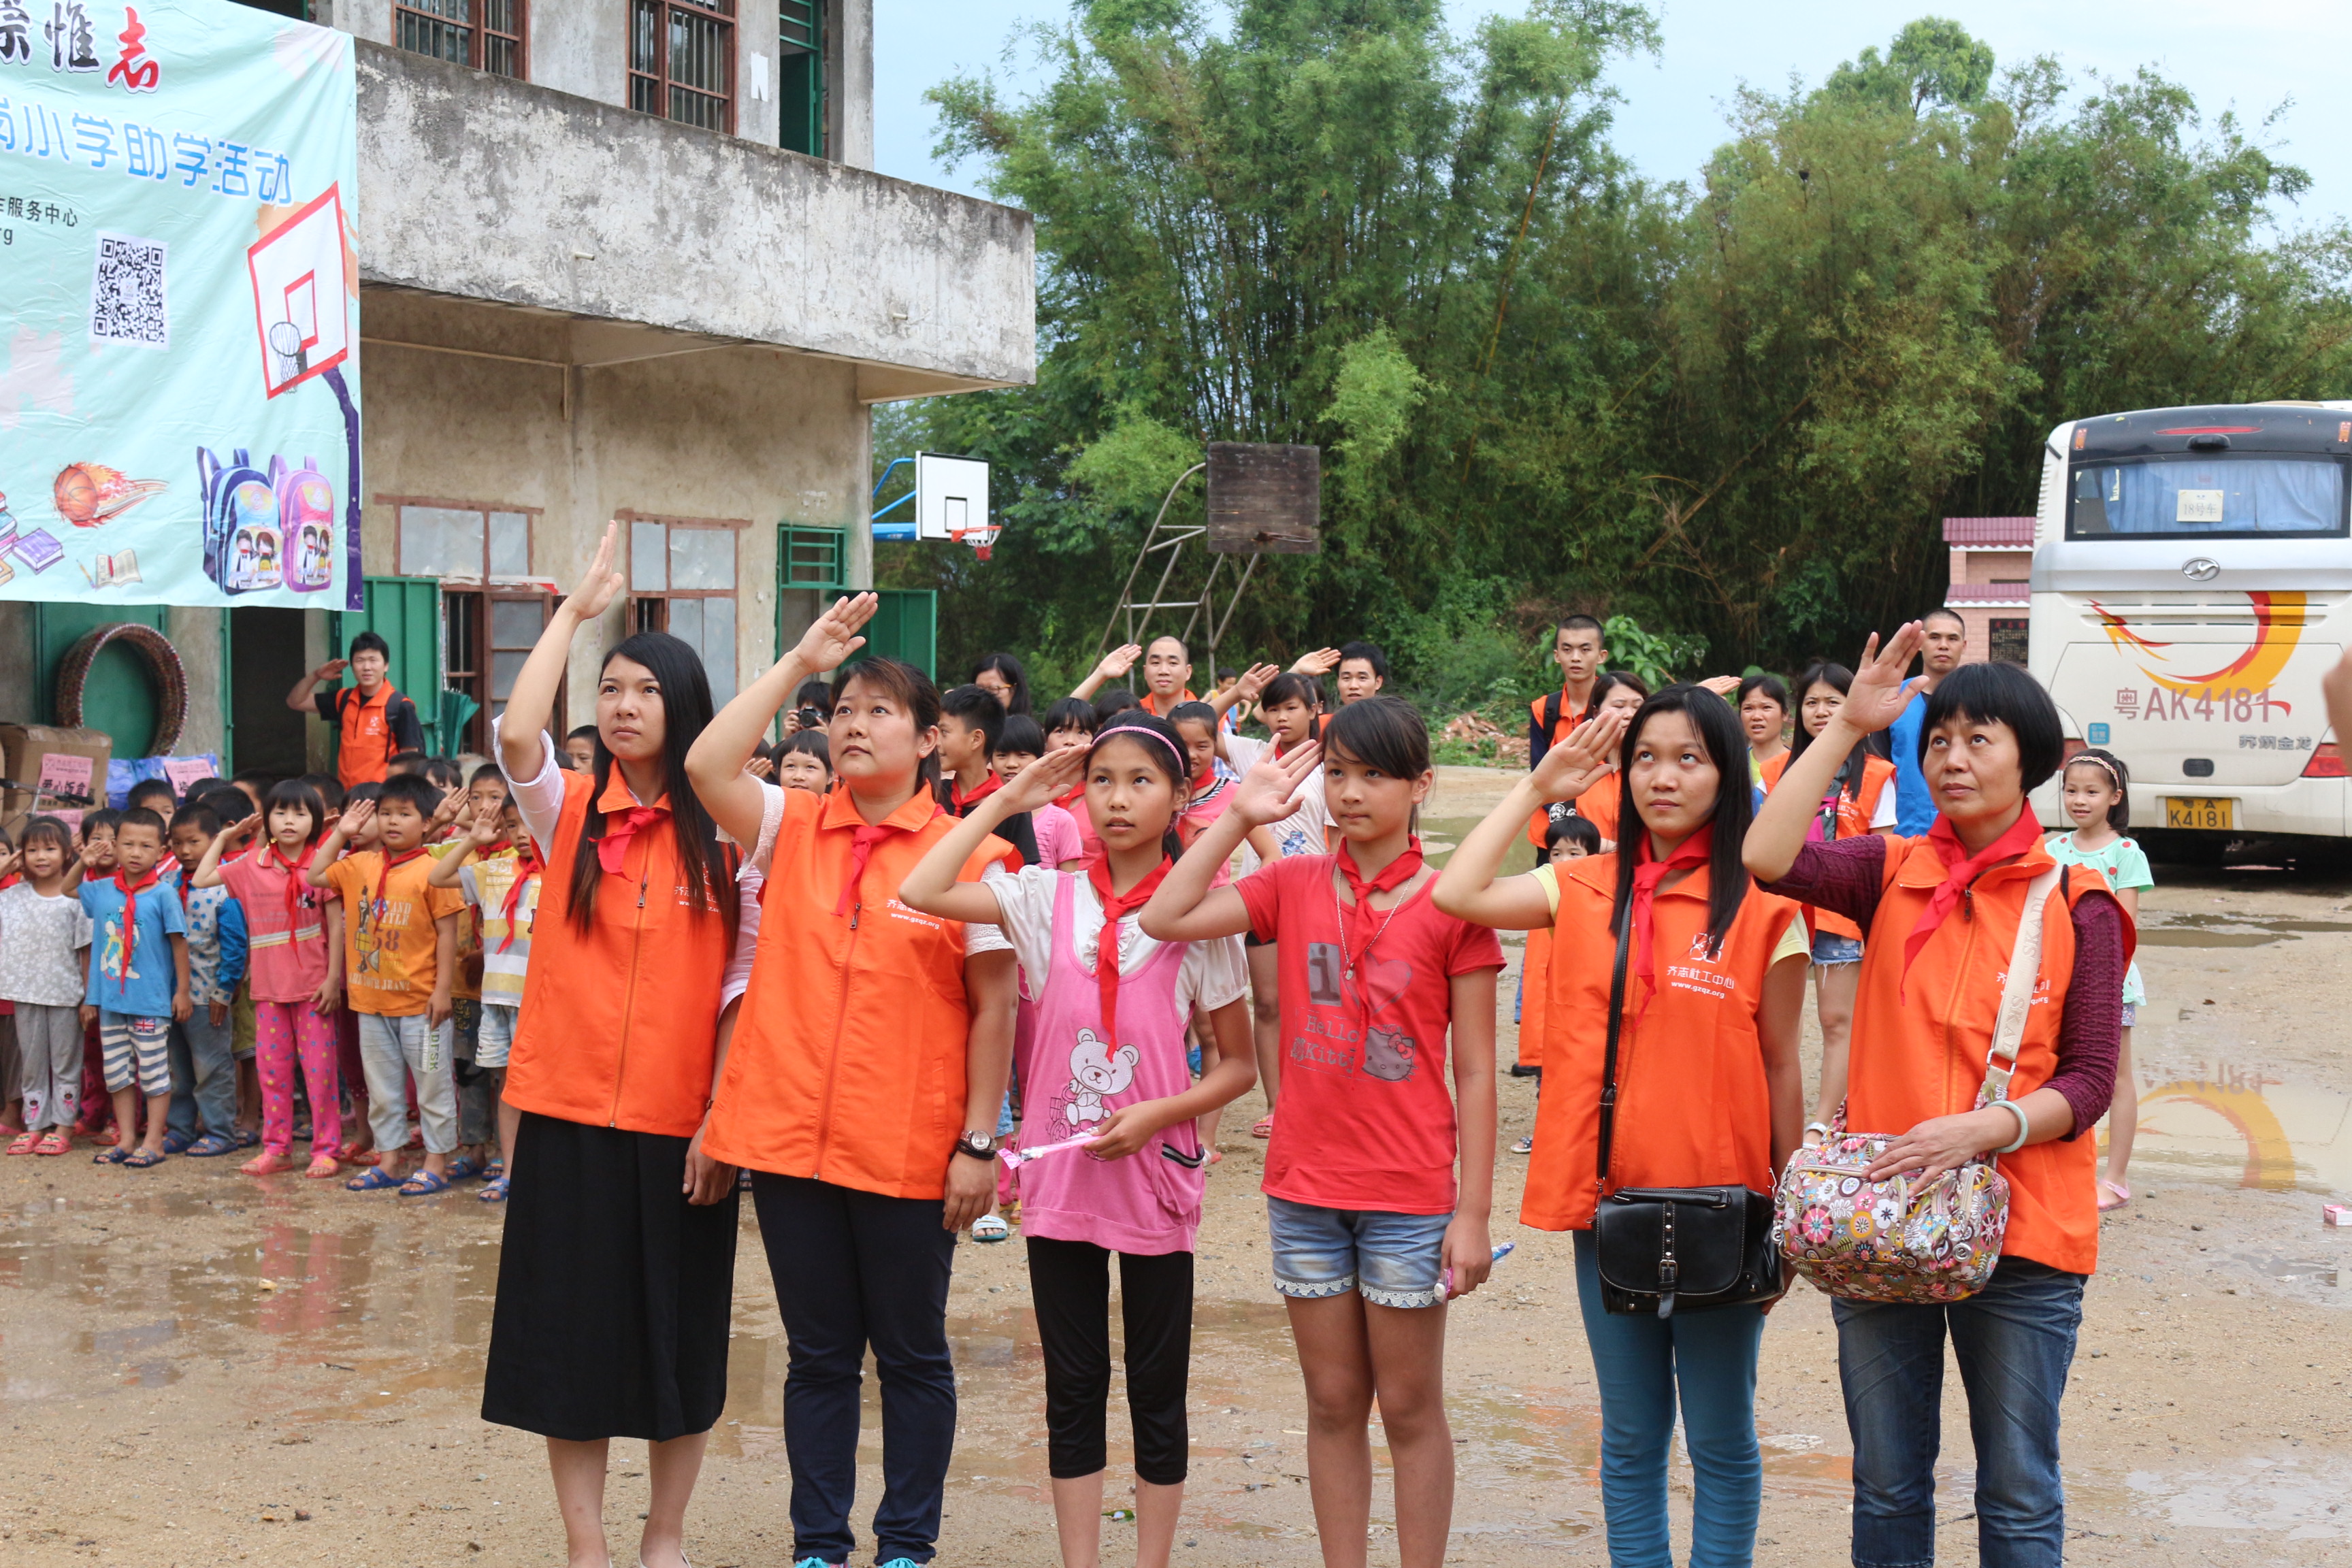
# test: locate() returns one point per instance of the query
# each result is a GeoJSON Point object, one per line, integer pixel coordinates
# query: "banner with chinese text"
{"type": "Point", "coordinates": [179, 357]}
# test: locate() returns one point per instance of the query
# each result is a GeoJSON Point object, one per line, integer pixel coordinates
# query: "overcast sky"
{"type": "Point", "coordinates": [2252, 55]}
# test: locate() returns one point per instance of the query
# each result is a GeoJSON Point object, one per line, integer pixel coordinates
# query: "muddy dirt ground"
{"type": "Point", "coordinates": [198, 1367]}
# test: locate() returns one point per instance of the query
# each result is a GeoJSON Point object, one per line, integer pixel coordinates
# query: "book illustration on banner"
{"type": "Point", "coordinates": [112, 570]}
{"type": "Point", "coordinates": [36, 551]}
{"type": "Point", "coordinates": [90, 494]}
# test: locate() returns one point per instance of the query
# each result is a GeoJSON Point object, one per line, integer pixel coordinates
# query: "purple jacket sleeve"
{"type": "Point", "coordinates": [1843, 877]}
{"type": "Point", "coordinates": [2090, 1036]}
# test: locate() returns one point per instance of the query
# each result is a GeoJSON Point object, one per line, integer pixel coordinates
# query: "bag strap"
{"type": "Point", "coordinates": [1609, 1061]}
{"type": "Point", "coordinates": [2017, 991]}
{"type": "Point", "coordinates": [1550, 715]}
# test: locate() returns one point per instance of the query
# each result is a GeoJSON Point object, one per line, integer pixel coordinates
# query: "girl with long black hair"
{"type": "Point", "coordinates": [617, 1270]}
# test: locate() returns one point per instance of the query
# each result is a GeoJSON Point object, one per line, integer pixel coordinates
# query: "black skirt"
{"type": "Point", "coordinates": [615, 1293]}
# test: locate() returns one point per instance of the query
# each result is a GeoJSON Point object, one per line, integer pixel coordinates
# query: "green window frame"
{"type": "Point", "coordinates": [801, 83]}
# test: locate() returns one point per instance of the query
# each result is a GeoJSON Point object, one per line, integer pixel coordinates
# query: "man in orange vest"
{"type": "Point", "coordinates": [371, 721]}
{"type": "Point", "coordinates": [1576, 649]}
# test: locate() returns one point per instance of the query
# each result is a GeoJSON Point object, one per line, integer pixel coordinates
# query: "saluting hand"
{"type": "Point", "coordinates": [1275, 788]}
{"type": "Point", "coordinates": [1119, 661]}
{"type": "Point", "coordinates": [832, 636]}
{"type": "Point", "coordinates": [1879, 693]}
{"type": "Point", "coordinates": [600, 582]}
{"type": "Point", "coordinates": [1577, 764]}
{"type": "Point", "coordinates": [1046, 780]}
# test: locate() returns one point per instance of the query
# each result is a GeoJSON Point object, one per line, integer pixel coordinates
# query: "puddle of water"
{"type": "Point", "coordinates": [2168, 929]}
{"type": "Point", "coordinates": [2304, 1500]}
{"type": "Point", "coordinates": [2241, 1128]}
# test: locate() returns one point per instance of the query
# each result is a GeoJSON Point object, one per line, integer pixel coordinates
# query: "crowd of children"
{"type": "Point", "coordinates": [250, 963]}
{"type": "Point", "coordinates": [1047, 949]}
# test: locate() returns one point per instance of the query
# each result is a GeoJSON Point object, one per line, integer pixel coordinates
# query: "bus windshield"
{"type": "Point", "coordinates": [2202, 496]}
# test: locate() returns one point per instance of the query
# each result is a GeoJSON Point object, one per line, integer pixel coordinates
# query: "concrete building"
{"type": "Point", "coordinates": [1992, 560]}
{"type": "Point", "coordinates": [619, 259]}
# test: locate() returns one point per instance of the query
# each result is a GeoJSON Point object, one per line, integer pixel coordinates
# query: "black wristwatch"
{"type": "Point", "coordinates": [979, 1145]}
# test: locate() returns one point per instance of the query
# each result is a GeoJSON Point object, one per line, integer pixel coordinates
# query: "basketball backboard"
{"type": "Point", "coordinates": [302, 310]}
{"type": "Point", "coordinates": [951, 497]}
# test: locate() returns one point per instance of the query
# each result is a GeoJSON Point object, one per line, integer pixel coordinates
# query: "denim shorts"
{"type": "Point", "coordinates": [1831, 948]}
{"type": "Point", "coordinates": [495, 1037]}
{"type": "Point", "coordinates": [1390, 1259]}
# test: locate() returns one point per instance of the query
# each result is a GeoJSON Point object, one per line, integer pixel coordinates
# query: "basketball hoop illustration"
{"type": "Point", "coordinates": [302, 314]}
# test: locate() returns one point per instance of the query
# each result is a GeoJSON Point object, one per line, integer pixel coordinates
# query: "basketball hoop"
{"type": "Point", "coordinates": [979, 539]}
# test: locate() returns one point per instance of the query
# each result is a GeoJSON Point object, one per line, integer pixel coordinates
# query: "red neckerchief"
{"type": "Point", "coordinates": [1202, 780]}
{"type": "Point", "coordinates": [1961, 871]}
{"type": "Point", "coordinates": [1077, 793]}
{"type": "Point", "coordinates": [988, 787]}
{"type": "Point", "coordinates": [1690, 853]}
{"type": "Point", "coordinates": [181, 883]}
{"type": "Point", "coordinates": [131, 892]}
{"type": "Point", "coordinates": [620, 826]}
{"type": "Point", "coordinates": [527, 866]}
{"type": "Point", "coordinates": [293, 869]}
{"type": "Point", "coordinates": [1393, 875]}
{"type": "Point", "coordinates": [1116, 907]}
{"type": "Point", "coordinates": [384, 880]}
{"type": "Point", "coordinates": [861, 851]}
{"type": "Point", "coordinates": [10, 880]}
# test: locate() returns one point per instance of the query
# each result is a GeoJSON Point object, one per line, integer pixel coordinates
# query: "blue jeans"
{"type": "Point", "coordinates": [2014, 1341]}
{"type": "Point", "coordinates": [1640, 1363]}
{"type": "Point", "coordinates": [204, 1076]}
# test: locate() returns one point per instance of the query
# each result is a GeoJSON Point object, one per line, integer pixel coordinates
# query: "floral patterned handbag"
{"type": "Point", "coordinates": [1887, 1240]}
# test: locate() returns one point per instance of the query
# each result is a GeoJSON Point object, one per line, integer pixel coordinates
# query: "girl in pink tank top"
{"type": "Point", "coordinates": [1110, 1154]}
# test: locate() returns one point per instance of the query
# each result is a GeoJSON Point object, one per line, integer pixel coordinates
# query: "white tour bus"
{"type": "Point", "coordinates": [2192, 582]}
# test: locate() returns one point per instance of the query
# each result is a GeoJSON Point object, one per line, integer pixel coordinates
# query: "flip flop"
{"type": "Point", "coordinates": [372, 1181]}
{"type": "Point", "coordinates": [1263, 1129]}
{"type": "Point", "coordinates": [2113, 1195]}
{"type": "Point", "coordinates": [423, 1185]}
{"type": "Point", "coordinates": [146, 1160]}
{"type": "Point", "coordinates": [114, 1156]}
{"type": "Point", "coordinates": [26, 1143]}
{"type": "Point", "coordinates": [990, 1228]}
{"type": "Point", "coordinates": [207, 1146]}
{"type": "Point", "coordinates": [266, 1164]}
{"type": "Point", "coordinates": [321, 1167]}
{"type": "Point", "coordinates": [53, 1143]}
{"type": "Point", "coordinates": [494, 1190]}
{"type": "Point", "coordinates": [350, 1156]}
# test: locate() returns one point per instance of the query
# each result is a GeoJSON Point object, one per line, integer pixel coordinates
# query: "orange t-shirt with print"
{"type": "Point", "coordinates": [1693, 1107]}
{"type": "Point", "coordinates": [847, 1064]}
{"type": "Point", "coordinates": [389, 915]}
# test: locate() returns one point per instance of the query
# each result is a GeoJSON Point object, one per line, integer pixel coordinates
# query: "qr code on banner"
{"type": "Point", "coordinates": [126, 296]}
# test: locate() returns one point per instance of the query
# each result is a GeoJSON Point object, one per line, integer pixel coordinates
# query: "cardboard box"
{"type": "Point", "coordinates": [71, 761]}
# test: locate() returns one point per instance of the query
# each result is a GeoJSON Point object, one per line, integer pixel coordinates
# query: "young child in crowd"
{"type": "Point", "coordinates": [293, 1001]}
{"type": "Point", "coordinates": [1017, 750]}
{"type": "Point", "coordinates": [497, 870]}
{"type": "Point", "coordinates": [1107, 1063]}
{"type": "Point", "coordinates": [580, 749]}
{"type": "Point", "coordinates": [485, 790]}
{"type": "Point", "coordinates": [155, 795]}
{"type": "Point", "coordinates": [971, 723]}
{"type": "Point", "coordinates": [2097, 794]}
{"type": "Point", "coordinates": [44, 971]}
{"type": "Point", "coordinates": [399, 941]}
{"type": "Point", "coordinates": [94, 862]}
{"type": "Point", "coordinates": [804, 762]}
{"type": "Point", "coordinates": [139, 983]}
{"type": "Point", "coordinates": [1374, 1230]}
{"type": "Point", "coordinates": [204, 1053]}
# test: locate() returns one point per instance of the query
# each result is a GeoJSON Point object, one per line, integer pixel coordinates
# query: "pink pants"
{"type": "Point", "coordinates": [282, 1032]}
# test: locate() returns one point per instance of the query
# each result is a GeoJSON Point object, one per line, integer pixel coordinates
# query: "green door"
{"type": "Point", "coordinates": [119, 697]}
{"type": "Point", "coordinates": [907, 627]}
{"type": "Point", "coordinates": [407, 612]}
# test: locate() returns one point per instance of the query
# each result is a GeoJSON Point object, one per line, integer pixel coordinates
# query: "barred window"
{"type": "Point", "coordinates": [487, 34]}
{"type": "Point", "coordinates": [682, 61]}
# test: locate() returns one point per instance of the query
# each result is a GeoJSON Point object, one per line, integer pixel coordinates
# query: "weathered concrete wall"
{"type": "Point", "coordinates": [606, 212]}
{"type": "Point", "coordinates": [582, 46]}
{"type": "Point", "coordinates": [739, 432]}
{"type": "Point", "coordinates": [851, 67]}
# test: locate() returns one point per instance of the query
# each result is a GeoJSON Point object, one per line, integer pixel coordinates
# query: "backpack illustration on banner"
{"type": "Point", "coordinates": [306, 517]}
{"type": "Point", "coordinates": [265, 532]}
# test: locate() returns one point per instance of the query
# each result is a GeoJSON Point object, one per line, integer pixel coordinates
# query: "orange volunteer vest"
{"type": "Point", "coordinates": [363, 748]}
{"type": "Point", "coordinates": [1927, 1058]}
{"type": "Point", "coordinates": [1692, 1106]}
{"type": "Point", "coordinates": [1535, 993]}
{"type": "Point", "coordinates": [1854, 821]}
{"type": "Point", "coordinates": [619, 1023]}
{"type": "Point", "coordinates": [848, 1059]}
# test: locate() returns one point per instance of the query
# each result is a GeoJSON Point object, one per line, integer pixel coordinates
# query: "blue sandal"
{"type": "Point", "coordinates": [207, 1146]}
{"type": "Point", "coordinates": [373, 1180]}
{"type": "Point", "coordinates": [144, 1159]}
{"type": "Point", "coordinates": [423, 1185]}
{"type": "Point", "coordinates": [494, 1190]}
{"type": "Point", "coordinates": [114, 1156]}
{"type": "Point", "coordinates": [465, 1168]}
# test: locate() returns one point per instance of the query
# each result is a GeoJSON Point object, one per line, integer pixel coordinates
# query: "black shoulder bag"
{"type": "Point", "coordinates": [1665, 1249]}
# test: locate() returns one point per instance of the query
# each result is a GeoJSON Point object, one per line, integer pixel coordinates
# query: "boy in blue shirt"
{"type": "Point", "coordinates": [203, 1046]}
{"type": "Point", "coordinates": [139, 983]}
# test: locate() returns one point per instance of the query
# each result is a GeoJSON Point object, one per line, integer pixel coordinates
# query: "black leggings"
{"type": "Point", "coordinates": [1071, 1283]}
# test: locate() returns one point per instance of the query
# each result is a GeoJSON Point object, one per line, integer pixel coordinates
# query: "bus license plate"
{"type": "Point", "coordinates": [2196, 811]}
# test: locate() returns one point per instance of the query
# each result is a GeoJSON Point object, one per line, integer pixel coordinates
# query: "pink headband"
{"type": "Point", "coordinates": [1183, 767]}
{"type": "Point", "coordinates": [2099, 763]}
